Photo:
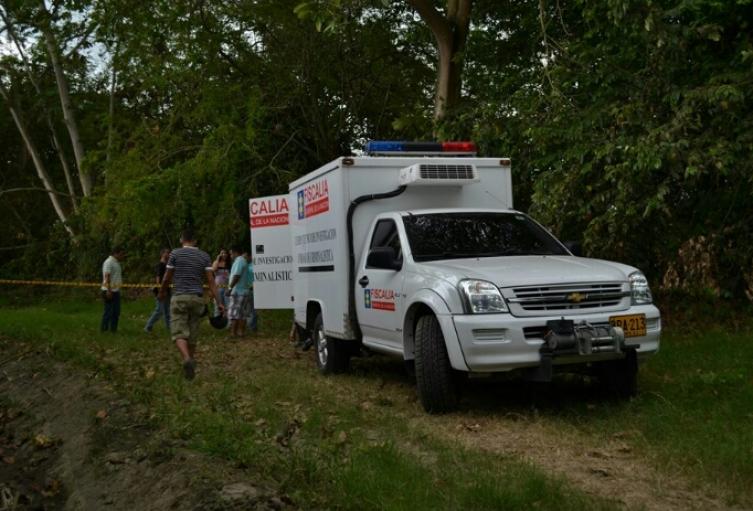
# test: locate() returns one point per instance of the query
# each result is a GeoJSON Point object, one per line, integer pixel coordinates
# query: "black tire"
{"type": "Point", "coordinates": [332, 355]}
{"type": "Point", "coordinates": [410, 367]}
{"type": "Point", "coordinates": [436, 380]}
{"type": "Point", "coordinates": [620, 377]}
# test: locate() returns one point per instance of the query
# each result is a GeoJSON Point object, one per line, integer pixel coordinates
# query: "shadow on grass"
{"type": "Point", "coordinates": [502, 395]}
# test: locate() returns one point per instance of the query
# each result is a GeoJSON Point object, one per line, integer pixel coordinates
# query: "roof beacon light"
{"type": "Point", "coordinates": [458, 147]}
{"type": "Point", "coordinates": [384, 146]}
{"type": "Point", "coordinates": [403, 148]}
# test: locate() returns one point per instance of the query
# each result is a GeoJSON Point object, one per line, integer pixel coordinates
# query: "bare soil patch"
{"type": "Point", "coordinates": [68, 441]}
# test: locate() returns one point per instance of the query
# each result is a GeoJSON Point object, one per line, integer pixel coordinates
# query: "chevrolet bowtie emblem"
{"type": "Point", "coordinates": [576, 297]}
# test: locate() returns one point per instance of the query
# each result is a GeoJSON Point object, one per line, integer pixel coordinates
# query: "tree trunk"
{"type": "Point", "coordinates": [111, 111]}
{"type": "Point", "coordinates": [68, 113]}
{"type": "Point", "coordinates": [55, 142]}
{"type": "Point", "coordinates": [451, 33]}
{"type": "Point", "coordinates": [38, 163]}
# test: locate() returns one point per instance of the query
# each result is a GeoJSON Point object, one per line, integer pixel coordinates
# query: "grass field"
{"type": "Point", "coordinates": [346, 441]}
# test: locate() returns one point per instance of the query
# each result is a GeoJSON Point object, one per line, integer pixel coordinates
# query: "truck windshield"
{"type": "Point", "coordinates": [477, 234]}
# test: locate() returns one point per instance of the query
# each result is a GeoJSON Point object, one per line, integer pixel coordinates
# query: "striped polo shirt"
{"type": "Point", "coordinates": [189, 265]}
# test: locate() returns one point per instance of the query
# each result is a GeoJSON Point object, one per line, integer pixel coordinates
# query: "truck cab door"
{"type": "Point", "coordinates": [379, 287]}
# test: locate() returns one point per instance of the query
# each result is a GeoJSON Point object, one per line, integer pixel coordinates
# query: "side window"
{"type": "Point", "coordinates": [385, 235]}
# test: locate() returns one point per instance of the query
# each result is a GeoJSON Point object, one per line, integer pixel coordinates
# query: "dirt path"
{"type": "Point", "coordinates": [68, 442]}
{"type": "Point", "coordinates": [609, 469]}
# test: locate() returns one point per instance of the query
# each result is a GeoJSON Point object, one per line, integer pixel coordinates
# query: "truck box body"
{"type": "Point", "coordinates": [319, 204]}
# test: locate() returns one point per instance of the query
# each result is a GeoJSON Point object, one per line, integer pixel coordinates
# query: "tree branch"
{"type": "Point", "coordinates": [80, 43]}
{"type": "Point", "coordinates": [33, 189]}
{"type": "Point", "coordinates": [436, 22]}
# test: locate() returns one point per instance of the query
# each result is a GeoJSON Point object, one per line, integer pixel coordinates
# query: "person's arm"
{"type": "Point", "coordinates": [213, 289]}
{"type": "Point", "coordinates": [233, 281]}
{"type": "Point", "coordinates": [107, 273]}
{"type": "Point", "coordinates": [166, 281]}
{"type": "Point", "coordinates": [216, 264]}
{"type": "Point", "coordinates": [108, 285]}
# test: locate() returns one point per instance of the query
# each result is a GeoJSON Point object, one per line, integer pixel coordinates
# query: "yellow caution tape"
{"type": "Point", "coordinates": [70, 283]}
{"type": "Point", "coordinates": [66, 283]}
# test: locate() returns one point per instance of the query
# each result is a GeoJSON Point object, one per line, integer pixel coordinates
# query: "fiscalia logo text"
{"type": "Point", "coordinates": [313, 199]}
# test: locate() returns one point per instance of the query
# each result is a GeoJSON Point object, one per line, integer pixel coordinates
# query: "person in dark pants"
{"type": "Point", "coordinates": [160, 308]}
{"type": "Point", "coordinates": [112, 279]}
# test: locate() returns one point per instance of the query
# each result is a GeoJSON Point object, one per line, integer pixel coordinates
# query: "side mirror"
{"type": "Point", "coordinates": [574, 247]}
{"type": "Point", "coordinates": [383, 258]}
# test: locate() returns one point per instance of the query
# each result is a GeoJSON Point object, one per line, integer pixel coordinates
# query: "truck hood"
{"type": "Point", "coordinates": [513, 271]}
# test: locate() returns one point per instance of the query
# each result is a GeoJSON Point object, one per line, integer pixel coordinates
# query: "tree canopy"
{"type": "Point", "coordinates": [628, 122]}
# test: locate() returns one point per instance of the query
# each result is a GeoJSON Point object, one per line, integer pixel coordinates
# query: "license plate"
{"type": "Point", "coordinates": [634, 325]}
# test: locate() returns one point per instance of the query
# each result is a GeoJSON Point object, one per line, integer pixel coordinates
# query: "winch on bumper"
{"type": "Point", "coordinates": [565, 337]}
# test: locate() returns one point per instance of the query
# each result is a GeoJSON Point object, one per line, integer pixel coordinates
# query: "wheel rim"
{"type": "Point", "coordinates": [321, 347]}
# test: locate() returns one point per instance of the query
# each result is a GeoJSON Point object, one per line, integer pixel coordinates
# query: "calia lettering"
{"type": "Point", "coordinates": [269, 206]}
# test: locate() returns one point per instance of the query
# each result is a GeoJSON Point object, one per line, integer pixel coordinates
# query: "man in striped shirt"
{"type": "Point", "coordinates": [187, 268]}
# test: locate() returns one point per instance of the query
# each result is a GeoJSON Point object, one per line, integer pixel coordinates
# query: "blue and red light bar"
{"type": "Point", "coordinates": [403, 147]}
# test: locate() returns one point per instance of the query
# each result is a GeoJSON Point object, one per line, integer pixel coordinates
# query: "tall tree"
{"type": "Point", "coordinates": [450, 30]}
{"type": "Point", "coordinates": [46, 26]}
{"type": "Point", "coordinates": [39, 164]}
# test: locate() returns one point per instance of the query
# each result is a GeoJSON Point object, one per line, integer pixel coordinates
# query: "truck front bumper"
{"type": "Point", "coordinates": [502, 342]}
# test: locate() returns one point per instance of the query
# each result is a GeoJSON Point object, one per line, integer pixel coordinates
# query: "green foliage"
{"type": "Point", "coordinates": [628, 123]}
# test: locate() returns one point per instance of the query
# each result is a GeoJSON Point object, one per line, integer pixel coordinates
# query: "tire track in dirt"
{"type": "Point", "coordinates": [607, 468]}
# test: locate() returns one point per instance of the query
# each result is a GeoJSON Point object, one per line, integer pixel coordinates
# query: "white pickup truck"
{"type": "Point", "coordinates": [415, 251]}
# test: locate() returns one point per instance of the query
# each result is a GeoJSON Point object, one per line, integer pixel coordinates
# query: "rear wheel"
{"type": "Point", "coordinates": [436, 380]}
{"type": "Point", "coordinates": [332, 355]}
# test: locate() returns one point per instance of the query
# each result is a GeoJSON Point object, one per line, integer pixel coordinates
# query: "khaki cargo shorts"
{"type": "Point", "coordinates": [185, 315]}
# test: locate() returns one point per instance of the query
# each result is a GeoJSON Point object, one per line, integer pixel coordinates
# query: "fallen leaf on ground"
{"type": "Point", "coordinates": [102, 414]}
{"type": "Point", "coordinates": [52, 489]}
{"type": "Point", "coordinates": [599, 471]}
{"type": "Point", "coordinates": [43, 441]}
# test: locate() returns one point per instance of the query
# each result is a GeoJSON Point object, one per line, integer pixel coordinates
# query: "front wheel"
{"type": "Point", "coordinates": [436, 380]}
{"type": "Point", "coordinates": [332, 356]}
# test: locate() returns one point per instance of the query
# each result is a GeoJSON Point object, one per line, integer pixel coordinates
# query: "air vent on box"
{"type": "Point", "coordinates": [438, 174]}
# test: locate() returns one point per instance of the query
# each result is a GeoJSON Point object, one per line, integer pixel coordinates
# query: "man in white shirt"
{"type": "Point", "coordinates": [112, 279]}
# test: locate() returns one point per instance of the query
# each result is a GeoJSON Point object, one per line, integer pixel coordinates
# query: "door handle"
{"type": "Point", "coordinates": [364, 281]}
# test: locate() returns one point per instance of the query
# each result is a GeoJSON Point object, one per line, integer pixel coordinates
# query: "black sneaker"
{"type": "Point", "coordinates": [189, 369]}
{"type": "Point", "coordinates": [307, 344]}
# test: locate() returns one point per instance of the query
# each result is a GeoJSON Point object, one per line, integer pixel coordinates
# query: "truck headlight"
{"type": "Point", "coordinates": [481, 297]}
{"type": "Point", "coordinates": [639, 290]}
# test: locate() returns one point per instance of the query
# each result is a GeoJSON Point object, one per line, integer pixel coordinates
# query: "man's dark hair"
{"type": "Point", "coordinates": [237, 249]}
{"type": "Point", "coordinates": [117, 249]}
{"type": "Point", "coordinates": [187, 234]}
